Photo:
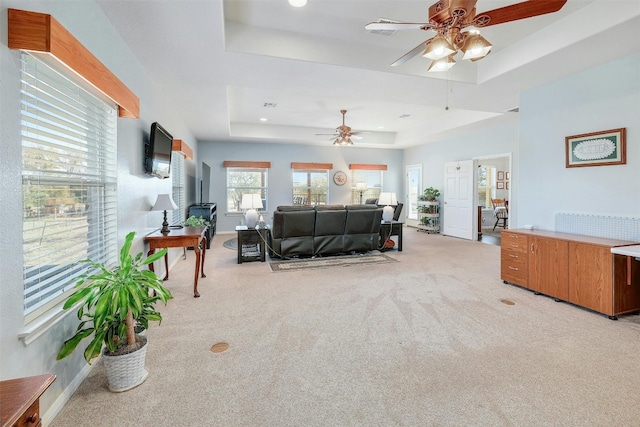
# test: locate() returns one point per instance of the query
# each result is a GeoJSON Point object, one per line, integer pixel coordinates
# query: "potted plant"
{"type": "Point", "coordinates": [430, 194]}
{"type": "Point", "coordinates": [196, 221]}
{"type": "Point", "coordinates": [112, 301]}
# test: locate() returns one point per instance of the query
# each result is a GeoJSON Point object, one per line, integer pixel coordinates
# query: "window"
{"type": "Point", "coordinates": [373, 181]}
{"type": "Point", "coordinates": [68, 183]}
{"type": "Point", "coordinates": [486, 185]}
{"type": "Point", "coordinates": [246, 178]}
{"type": "Point", "coordinates": [177, 182]}
{"type": "Point", "coordinates": [310, 187]}
{"type": "Point", "coordinates": [310, 183]}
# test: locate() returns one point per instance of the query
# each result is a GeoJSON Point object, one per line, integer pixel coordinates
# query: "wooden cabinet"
{"type": "Point", "coordinates": [548, 266]}
{"type": "Point", "coordinates": [20, 400]}
{"type": "Point", "coordinates": [573, 268]}
{"type": "Point", "coordinates": [514, 258]}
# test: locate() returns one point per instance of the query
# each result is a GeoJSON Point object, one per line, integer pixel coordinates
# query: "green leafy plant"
{"type": "Point", "coordinates": [194, 221]}
{"type": "Point", "coordinates": [113, 301]}
{"type": "Point", "coordinates": [430, 194]}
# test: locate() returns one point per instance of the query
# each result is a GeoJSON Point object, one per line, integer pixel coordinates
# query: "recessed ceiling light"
{"type": "Point", "coordinates": [380, 127]}
{"type": "Point", "coordinates": [263, 119]}
{"type": "Point", "coordinates": [297, 3]}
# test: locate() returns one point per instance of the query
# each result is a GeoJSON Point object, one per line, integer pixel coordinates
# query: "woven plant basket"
{"type": "Point", "coordinates": [126, 371]}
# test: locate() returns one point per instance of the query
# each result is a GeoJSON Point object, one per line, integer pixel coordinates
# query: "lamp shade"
{"type": "Point", "coordinates": [251, 201]}
{"type": "Point", "coordinates": [442, 64]}
{"type": "Point", "coordinates": [438, 47]}
{"type": "Point", "coordinates": [475, 47]}
{"type": "Point", "coordinates": [361, 186]}
{"type": "Point", "coordinates": [164, 202]}
{"type": "Point", "coordinates": [387, 199]}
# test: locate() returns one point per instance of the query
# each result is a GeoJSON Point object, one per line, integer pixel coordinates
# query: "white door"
{"type": "Point", "coordinates": [459, 213]}
{"type": "Point", "coordinates": [412, 191]}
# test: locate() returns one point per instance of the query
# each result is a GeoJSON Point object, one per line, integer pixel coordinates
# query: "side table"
{"type": "Point", "coordinates": [251, 243]}
{"type": "Point", "coordinates": [391, 228]}
{"type": "Point", "coordinates": [20, 400]}
{"type": "Point", "coordinates": [181, 238]}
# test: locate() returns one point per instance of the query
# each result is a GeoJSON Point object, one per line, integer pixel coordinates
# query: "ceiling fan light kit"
{"type": "Point", "coordinates": [450, 17]}
{"type": "Point", "coordinates": [442, 64]}
{"type": "Point", "coordinates": [438, 48]}
{"type": "Point", "coordinates": [475, 47]}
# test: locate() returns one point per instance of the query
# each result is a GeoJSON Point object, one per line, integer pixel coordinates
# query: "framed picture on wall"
{"type": "Point", "coordinates": [500, 185]}
{"type": "Point", "coordinates": [507, 176]}
{"type": "Point", "coordinates": [500, 175]}
{"type": "Point", "coordinates": [603, 148]}
{"type": "Point", "coordinates": [506, 185]}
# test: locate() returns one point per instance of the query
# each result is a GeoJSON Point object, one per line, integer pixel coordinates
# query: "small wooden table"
{"type": "Point", "coordinates": [20, 400]}
{"type": "Point", "coordinates": [252, 236]}
{"type": "Point", "coordinates": [181, 238]}
{"type": "Point", "coordinates": [391, 228]}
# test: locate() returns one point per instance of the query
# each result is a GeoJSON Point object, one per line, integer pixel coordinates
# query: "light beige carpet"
{"type": "Point", "coordinates": [431, 340]}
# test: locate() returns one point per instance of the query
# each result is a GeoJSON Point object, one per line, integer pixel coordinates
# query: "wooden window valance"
{"type": "Point", "coordinates": [245, 164]}
{"type": "Point", "coordinates": [40, 33]}
{"type": "Point", "coordinates": [311, 166]}
{"type": "Point", "coordinates": [358, 166]}
{"type": "Point", "coordinates": [181, 147]}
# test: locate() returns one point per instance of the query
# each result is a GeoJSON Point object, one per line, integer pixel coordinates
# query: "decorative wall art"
{"type": "Point", "coordinates": [603, 148]}
{"type": "Point", "coordinates": [506, 185]}
{"type": "Point", "coordinates": [500, 175]}
{"type": "Point", "coordinates": [500, 185]}
{"type": "Point", "coordinates": [507, 174]}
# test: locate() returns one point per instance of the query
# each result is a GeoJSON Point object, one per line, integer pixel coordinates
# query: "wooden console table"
{"type": "Point", "coordinates": [181, 238]}
{"type": "Point", "coordinates": [20, 400]}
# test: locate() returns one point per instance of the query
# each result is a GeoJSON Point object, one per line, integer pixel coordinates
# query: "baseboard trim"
{"type": "Point", "coordinates": [64, 397]}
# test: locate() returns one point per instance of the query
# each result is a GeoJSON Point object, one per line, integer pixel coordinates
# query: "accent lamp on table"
{"type": "Point", "coordinates": [165, 203]}
{"type": "Point", "coordinates": [361, 187]}
{"type": "Point", "coordinates": [251, 202]}
{"type": "Point", "coordinates": [387, 200]}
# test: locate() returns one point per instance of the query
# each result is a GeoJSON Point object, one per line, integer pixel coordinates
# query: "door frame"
{"type": "Point", "coordinates": [411, 200]}
{"type": "Point", "coordinates": [478, 160]}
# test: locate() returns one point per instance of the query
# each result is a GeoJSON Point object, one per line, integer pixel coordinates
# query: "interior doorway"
{"type": "Point", "coordinates": [494, 182]}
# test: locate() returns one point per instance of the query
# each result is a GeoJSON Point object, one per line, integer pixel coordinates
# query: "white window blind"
{"type": "Point", "coordinates": [68, 183]}
{"type": "Point", "coordinates": [177, 178]}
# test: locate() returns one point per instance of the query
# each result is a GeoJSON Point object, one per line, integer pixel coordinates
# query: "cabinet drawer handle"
{"type": "Point", "coordinates": [514, 256]}
{"type": "Point", "coordinates": [514, 246]}
{"type": "Point", "coordinates": [513, 268]}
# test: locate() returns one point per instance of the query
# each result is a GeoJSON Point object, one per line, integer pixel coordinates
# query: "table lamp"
{"type": "Point", "coordinates": [251, 202]}
{"type": "Point", "coordinates": [361, 187]}
{"type": "Point", "coordinates": [165, 203]}
{"type": "Point", "coordinates": [386, 200]}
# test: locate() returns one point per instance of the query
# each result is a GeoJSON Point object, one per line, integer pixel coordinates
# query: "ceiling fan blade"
{"type": "Point", "coordinates": [357, 137]}
{"type": "Point", "coordinates": [517, 11]}
{"type": "Point", "coordinates": [407, 56]}
{"type": "Point", "coordinates": [397, 26]}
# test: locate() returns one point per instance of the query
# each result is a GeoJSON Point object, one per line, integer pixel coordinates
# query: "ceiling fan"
{"type": "Point", "coordinates": [343, 133]}
{"type": "Point", "coordinates": [449, 17]}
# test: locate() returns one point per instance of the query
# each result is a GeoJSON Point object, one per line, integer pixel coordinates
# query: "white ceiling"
{"type": "Point", "coordinates": [220, 61]}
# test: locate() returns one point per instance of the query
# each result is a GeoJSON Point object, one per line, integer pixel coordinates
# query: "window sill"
{"type": "Point", "coordinates": [37, 328]}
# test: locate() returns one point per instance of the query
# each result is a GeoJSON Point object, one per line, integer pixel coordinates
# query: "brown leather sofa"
{"type": "Point", "coordinates": [305, 231]}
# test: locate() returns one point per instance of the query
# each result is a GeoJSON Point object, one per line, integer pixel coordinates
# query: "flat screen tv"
{"type": "Point", "coordinates": [158, 152]}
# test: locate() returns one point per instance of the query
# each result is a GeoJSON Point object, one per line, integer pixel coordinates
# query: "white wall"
{"type": "Point", "coordinates": [495, 141]}
{"type": "Point", "coordinates": [281, 156]}
{"type": "Point", "coordinates": [136, 191]}
{"type": "Point", "coordinates": [605, 97]}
